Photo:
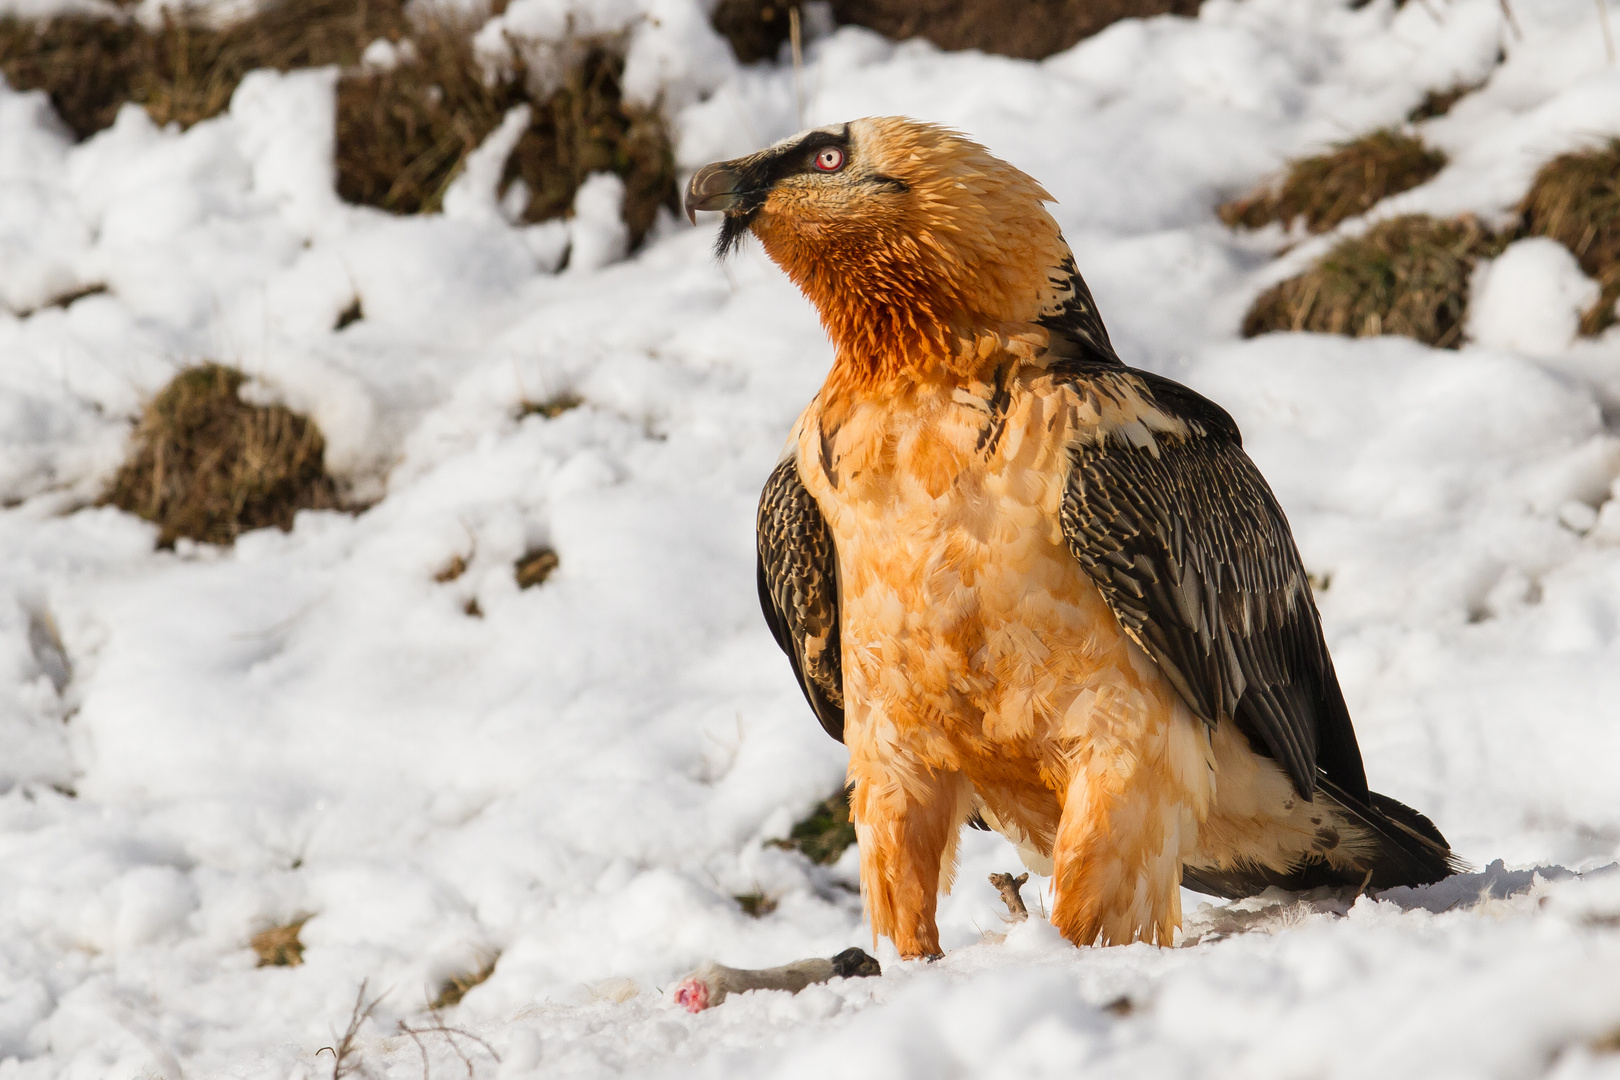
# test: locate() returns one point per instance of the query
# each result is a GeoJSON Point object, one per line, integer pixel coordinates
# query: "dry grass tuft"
{"type": "Point", "coordinates": [279, 946]}
{"type": "Point", "coordinates": [453, 991]}
{"type": "Point", "coordinates": [1408, 275]}
{"type": "Point", "coordinates": [1439, 102]}
{"type": "Point", "coordinates": [756, 29]}
{"type": "Point", "coordinates": [824, 835]}
{"type": "Point", "coordinates": [1026, 29]}
{"type": "Point", "coordinates": [403, 133]}
{"type": "Point", "coordinates": [1575, 199]}
{"type": "Point", "coordinates": [66, 300]}
{"type": "Point", "coordinates": [206, 465]}
{"type": "Point", "coordinates": [535, 567]}
{"type": "Point", "coordinates": [755, 905]}
{"type": "Point", "coordinates": [186, 70]}
{"type": "Point", "coordinates": [451, 570]}
{"type": "Point", "coordinates": [552, 407]}
{"type": "Point", "coordinates": [586, 127]}
{"type": "Point", "coordinates": [1328, 188]}
{"type": "Point", "coordinates": [350, 315]}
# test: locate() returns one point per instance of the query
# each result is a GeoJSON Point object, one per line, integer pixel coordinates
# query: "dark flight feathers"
{"type": "Point", "coordinates": [798, 591]}
{"type": "Point", "coordinates": [1191, 551]}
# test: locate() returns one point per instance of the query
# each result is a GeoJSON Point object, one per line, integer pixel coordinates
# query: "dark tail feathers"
{"type": "Point", "coordinates": [1410, 851]}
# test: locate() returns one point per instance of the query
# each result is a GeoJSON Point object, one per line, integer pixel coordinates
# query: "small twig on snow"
{"type": "Point", "coordinates": [1507, 12]}
{"type": "Point", "coordinates": [795, 33]}
{"type": "Point", "coordinates": [438, 1027]}
{"type": "Point", "coordinates": [342, 1065]}
{"type": "Point", "coordinates": [1008, 886]}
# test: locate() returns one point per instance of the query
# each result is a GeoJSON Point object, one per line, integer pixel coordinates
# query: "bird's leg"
{"type": "Point", "coordinates": [906, 823]}
{"type": "Point", "coordinates": [1118, 852]}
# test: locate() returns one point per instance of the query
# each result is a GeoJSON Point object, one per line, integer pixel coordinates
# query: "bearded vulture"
{"type": "Point", "coordinates": [1028, 585]}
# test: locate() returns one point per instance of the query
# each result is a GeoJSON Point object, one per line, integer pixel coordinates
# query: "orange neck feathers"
{"type": "Point", "coordinates": [930, 282]}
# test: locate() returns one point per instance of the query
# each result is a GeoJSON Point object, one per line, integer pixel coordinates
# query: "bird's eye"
{"type": "Point", "coordinates": [830, 159]}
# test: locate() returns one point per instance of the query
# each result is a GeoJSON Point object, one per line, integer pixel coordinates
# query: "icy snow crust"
{"type": "Point", "coordinates": [204, 743]}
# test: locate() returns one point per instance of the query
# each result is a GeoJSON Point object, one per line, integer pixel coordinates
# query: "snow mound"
{"type": "Point", "coordinates": [438, 768]}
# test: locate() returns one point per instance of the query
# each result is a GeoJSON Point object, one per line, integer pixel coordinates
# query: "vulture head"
{"type": "Point", "coordinates": [913, 242]}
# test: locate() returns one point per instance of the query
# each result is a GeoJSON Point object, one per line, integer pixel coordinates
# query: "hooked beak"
{"type": "Point", "coordinates": [714, 187]}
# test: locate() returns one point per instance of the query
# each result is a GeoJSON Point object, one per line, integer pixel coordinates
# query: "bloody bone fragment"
{"type": "Point", "coordinates": [710, 984]}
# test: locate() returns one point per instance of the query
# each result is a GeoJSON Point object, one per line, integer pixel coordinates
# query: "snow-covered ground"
{"type": "Point", "coordinates": [199, 744]}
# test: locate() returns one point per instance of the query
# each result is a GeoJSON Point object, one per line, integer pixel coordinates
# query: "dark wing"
{"type": "Point", "coordinates": [798, 590]}
{"type": "Point", "coordinates": [1191, 551]}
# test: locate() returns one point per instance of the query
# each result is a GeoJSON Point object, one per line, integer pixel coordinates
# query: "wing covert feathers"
{"type": "Point", "coordinates": [798, 591]}
{"type": "Point", "coordinates": [1191, 551]}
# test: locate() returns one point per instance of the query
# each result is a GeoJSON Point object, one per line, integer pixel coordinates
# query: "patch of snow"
{"type": "Point", "coordinates": [202, 744]}
{"type": "Point", "coordinates": [1530, 298]}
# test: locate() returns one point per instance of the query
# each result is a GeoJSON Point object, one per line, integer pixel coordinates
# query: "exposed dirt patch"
{"type": "Point", "coordinates": [585, 126]}
{"type": "Point", "coordinates": [350, 315]}
{"type": "Point", "coordinates": [1348, 181]}
{"type": "Point", "coordinates": [402, 133]}
{"type": "Point", "coordinates": [535, 567]}
{"type": "Point", "coordinates": [824, 835]}
{"type": "Point", "coordinates": [1027, 29]}
{"type": "Point", "coordinates": [756, 29]}
{"type": "Point", "coordinates": [1575, 199]}
{"type": "Point", "coordinates": [186, 70]}
{"type": "Point", "coordinates": [1408, 275]}
{"type": "Point", "coordinates": [453, 991]}
{"type": "Point", "coordinates": [206, 465]}
{"type": "Point", "coordinates": [755, 905]}
{"type": "Point", "coordinates": [1439, 102]}
{"type": "Point", "coordinates": [551, 407]}
{"type": "Point", "coordinates": [279, 946]}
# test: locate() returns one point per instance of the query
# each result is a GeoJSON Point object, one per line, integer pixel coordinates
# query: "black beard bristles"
{"type": "Point", "coordinates": [732, 230]}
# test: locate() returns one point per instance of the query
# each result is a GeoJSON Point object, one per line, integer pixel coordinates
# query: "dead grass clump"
{"type": "Point", "coordinates": [1328, 188]}
{"type": "Point", "coordinates": [756, 29]}
{"type": "Point", "coordinates": [187, 69]}
{"type": "Point", "coordinates": [206, 465]}
{"type": "Point", "coordinates": [453, 991]}
{"type": "Point", "coordinates": [535, 567]}
{"type": "Point", "coordinates": [403, 133]}
{"type": "Point", "coordinates": [1026, 29]}
{"type": "Point", "coordinates": [1575, 199]}
{"type": "Point", "coordinates": [552, 407]}
{"type": "Point", "coordinates": [67, 299]}
{"type": "Point", "coordinates": [279, 946]}
{"type": "Point", "coordinates": [1439, 102]}
{"type": "Point", "coordinates": [824, 835]}
{"type": "Point", "coordinates": [755, 905]}
{"type": "Point", "coordinates": [87, 67]}
{"type": "Point", "coordinates": [584, 127]}
{"type": "Point", "coordinates": [349, 315]}
{"type": "Point", "coordinates": [1408, 275]}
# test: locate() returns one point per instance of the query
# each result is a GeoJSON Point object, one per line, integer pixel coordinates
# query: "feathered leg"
{"type": "Point", "coordinates": [1130, 816]}
{"type": "Point", "coordinates": [907, 825]}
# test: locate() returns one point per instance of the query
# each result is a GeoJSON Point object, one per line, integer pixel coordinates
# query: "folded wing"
{"type": "Point", "coordinates": [1191, 551]}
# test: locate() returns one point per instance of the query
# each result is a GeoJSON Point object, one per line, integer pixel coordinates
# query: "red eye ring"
{"type": "Point", "coordinates": [830, 159]}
